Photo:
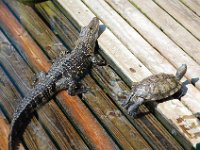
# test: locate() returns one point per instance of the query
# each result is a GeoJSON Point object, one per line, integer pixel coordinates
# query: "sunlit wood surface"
{"type": "Point", "coordinates": [137, 39]}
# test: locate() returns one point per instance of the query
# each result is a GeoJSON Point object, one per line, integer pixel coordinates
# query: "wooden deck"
{"type": "Point", "coordinates": [137, 39]}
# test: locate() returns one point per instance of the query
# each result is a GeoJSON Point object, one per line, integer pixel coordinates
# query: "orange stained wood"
{"type": "Point", "coordinates": [3, 133]}
{"type": "Point", "coordinates": [92, 130]}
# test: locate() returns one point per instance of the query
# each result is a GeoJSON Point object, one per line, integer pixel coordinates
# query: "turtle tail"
{"type": "Point", "coordinates": [181, 71]}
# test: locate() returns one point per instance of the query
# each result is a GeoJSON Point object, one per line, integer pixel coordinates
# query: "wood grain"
{"type": "Point", "coordinates": [62, 131]}
{"type": "Point", "coordinates": [94, 133]}
{"type": "Point", "coordinates": [8, 101]}
{"type": "Point", "coordinates": [170, 27]}
{"type": "Point", "coordinates": [104, 109]}
{"type": "Point", "coordinates": [164, 45]}
{"type": "Point", "coordinates": [182, 14]}
{"type": "Point", "coordinates": [122, 30]}
{"type": "Point", "coordinates": [119, 133]}
{"type": "Point", "coordinates": [194, 5]}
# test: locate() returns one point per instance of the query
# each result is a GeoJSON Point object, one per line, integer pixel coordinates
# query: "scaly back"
{"type": "Point", "coordinates": [88, 36]}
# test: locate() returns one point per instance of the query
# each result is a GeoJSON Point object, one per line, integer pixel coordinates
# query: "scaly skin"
{"type": "Point", "coordinates": [65, 73]}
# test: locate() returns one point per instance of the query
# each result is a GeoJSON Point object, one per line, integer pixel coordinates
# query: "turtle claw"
{"type": "Point", "coordinates": [132, 113]}
{"type": "Point", "coordinates": [124, 104]}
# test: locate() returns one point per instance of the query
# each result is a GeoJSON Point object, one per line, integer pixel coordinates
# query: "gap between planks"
{"type": "Point", "coordinates": [48, 15]}
{"type": "Point", "coordinates": [21, 75]}
{"type": "Point", "coordinates": [71, 105]}
{"type": "Point", "coordinates": [194, 5]}
{"type": "Point", "coordinates": [108, 43]}
{"type": "Point", "coordinates": [182, 14]}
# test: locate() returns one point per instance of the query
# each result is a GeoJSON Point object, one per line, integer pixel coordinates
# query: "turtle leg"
{"type": "Point", "coordinates": [124, 104]}
{"type": "Point", "coordinates": [129, 95]}
{"type": "Point", "coordinates": [132, 110]}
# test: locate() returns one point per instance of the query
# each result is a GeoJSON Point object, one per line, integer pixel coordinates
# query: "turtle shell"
{"type": "Point", "coordinates": [156, 87]}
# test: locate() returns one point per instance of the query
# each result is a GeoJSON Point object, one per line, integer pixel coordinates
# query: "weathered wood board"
{"type": "Point", "coordinates": [102, 107]}
{"type": "Point", "coordinates": [170, 27]}
{"type": "Point", "coordinates": [86, 122]}
{"type": "Point", "coordinates": [182, 14]}
{"type": "Point", "coordinates": [194, 5]}
{"type": "Point", "coordinates": [121, 46]}
{"type": "Point", "coordinates": [163, 44]}
{"type": "Point", "coordinates": [74, 11]}
{"type": "Point", "coordinates": [152, 59]}
{"type": "Point", "coordinates": [10, 96]}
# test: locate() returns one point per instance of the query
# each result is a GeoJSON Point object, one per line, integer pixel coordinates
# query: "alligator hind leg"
{"type": "Point", "coordinates": [77, 88]}
{"type": "Point", "coordinates": [98, 60]}
{"type": "Point", "coordinates": [62, 84]}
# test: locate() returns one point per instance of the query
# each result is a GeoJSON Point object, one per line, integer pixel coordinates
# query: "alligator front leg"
{"type": "Point", "coordinates": [73, 87]}
{"type": "Point", "coordinates": [98, 60]}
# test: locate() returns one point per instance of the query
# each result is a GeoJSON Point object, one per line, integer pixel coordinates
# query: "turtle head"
{"type": "Point", "coordinates": [181, 71]}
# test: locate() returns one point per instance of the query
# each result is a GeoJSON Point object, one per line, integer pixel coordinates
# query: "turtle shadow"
{"type": "Point", "coordinates": [141, 114]}
{"type": "Point", "coordinates": [102, 28]}
{"type": "Point", "coordinates": [181, 92]}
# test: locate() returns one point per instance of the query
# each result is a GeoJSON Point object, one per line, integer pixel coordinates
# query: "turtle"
{"type": "Point", "coordinates": [154, 87]}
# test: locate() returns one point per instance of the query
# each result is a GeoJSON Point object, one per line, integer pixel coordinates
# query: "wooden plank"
{"type": "Point", "coordinates": [8, 98]}
{"type": "Point", "coordinates": [118, 125]}
{"type": "Point", "coordinates": [170, 27]}
{"type": "Point", "coordinates": [135, 43]}
{"type": "Point", "coordinates": [22, 12]}
{"type": "Point", "coordinates": [93, 133]}
{"type": "Point", "coordinates": [118, 132]}
{"type": "Point", "coordinates": [52, 119]}
{"type": "Point", "coordinates": [189, 124]}
{"type": "Point", "coordinates": [182, 14]}
{"type": "Point", "coordinates": [160, 41]}
{"type": "Point", "coordinates": [100, 105]}
{"type": "Point", "coordinates": [74, 10]}
{"type": "Point", "coordinates": [4, 132]}
{"type": "Point", "coordinates": [101, 9]}
{"type": "Point", "coordinates": [146, 56]}
{"type": "Point", "coordinates": [194, 5]}
{"type": "Point", "coordinates": [146, 123]}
